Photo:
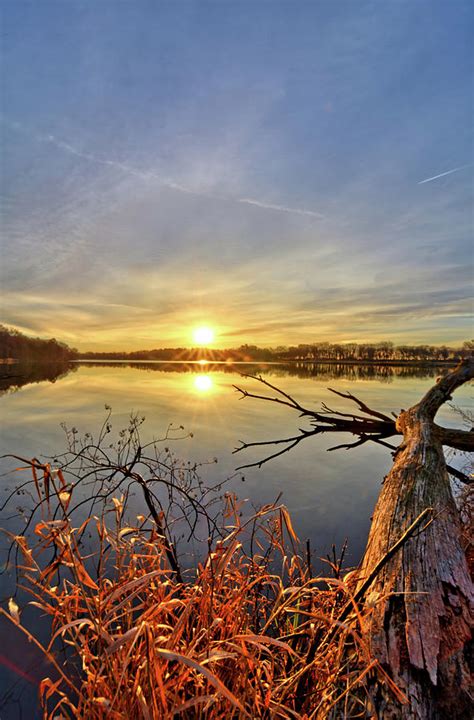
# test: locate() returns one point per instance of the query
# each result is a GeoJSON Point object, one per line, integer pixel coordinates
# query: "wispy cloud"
{"type": "Point", "coordinates": [165, 182]}
{"type": "Point", "coordinates": [124, 167]}
{"type": "Point", "coordinates": [443, 174]}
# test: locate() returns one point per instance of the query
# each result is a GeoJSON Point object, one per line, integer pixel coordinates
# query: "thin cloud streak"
{"type": "Point", "coordinates": [147, 175]}
{"type": "Point", "coordinates": [448, 172]}
{"type": "Point", "coordinates": [280, 208]}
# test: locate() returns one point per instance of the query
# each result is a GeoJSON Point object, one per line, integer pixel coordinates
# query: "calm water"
{"type": "Point", "coordinates": [330, 495]}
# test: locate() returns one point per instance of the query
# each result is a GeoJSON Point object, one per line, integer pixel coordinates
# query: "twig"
{"type": "Point", "coordinates": [365, 408]}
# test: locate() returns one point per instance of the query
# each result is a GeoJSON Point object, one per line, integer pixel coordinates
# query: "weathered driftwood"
{"type": "Point", "coordinates": [422, 622]}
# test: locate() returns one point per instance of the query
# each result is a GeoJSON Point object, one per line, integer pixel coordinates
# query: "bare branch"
{"type": "Point", "coordinates": [373, 426]}
{"type": "Point", "coordinates": [442, 391]}
{"type": "Point", "coordinates": [349, 446]}
{"type": "Point", "coordinates": [459, 475]}
{"type": "Point", "coordinates": [365, 408]}
{"type": "Point", "coordinates": [259, 463]}
{"type": "Point", "coordinates": [457, 439]}
{"type": "Point", "coordinates": [290, 399]}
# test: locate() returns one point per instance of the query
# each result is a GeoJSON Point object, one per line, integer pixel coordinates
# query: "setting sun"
{"type": "Point", "coordinates": [203, 335]}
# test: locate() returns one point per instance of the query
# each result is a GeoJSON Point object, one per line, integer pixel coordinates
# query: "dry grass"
{"type": "Point", "coordinates": [247, 636]}
{"type": "Point", "coordinates": [248, 632]}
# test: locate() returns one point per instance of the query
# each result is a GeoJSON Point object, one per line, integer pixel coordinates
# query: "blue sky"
{"type": "Point", "coordinates": [254, 166]}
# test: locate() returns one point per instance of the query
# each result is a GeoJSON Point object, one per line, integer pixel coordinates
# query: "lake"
{"type": "Point", "coordinates": [330, 495]}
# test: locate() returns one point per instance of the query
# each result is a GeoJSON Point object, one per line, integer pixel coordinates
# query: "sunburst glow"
{"type": "Point", "coordinates": [203, 335]}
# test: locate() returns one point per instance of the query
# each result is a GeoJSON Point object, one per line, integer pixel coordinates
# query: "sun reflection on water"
{"type": "Point", "coordinates": [203, 383]}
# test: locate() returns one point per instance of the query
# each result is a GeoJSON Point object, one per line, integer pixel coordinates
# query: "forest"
{"type": "Point", "coordinates": [14, 345]}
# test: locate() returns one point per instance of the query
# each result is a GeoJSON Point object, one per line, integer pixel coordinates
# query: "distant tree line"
{"type": "Point", "coordinates": [381, 352]}
{"type": "Point", "coordinates": [17, 346]}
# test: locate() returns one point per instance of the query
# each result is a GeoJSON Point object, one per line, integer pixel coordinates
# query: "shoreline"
{"type": "Point", "coordinates": [291, 361]}
{"type": "Point", "coordinates": [205, 361]}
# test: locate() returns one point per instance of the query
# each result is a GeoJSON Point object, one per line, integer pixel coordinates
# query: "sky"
{"type": "Point", "coordinates": [283, 172]}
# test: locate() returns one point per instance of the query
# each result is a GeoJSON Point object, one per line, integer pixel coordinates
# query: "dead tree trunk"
{"type": "Point", "coordinates": [421, 625]}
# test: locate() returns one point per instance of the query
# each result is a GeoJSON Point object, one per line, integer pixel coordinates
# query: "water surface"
{"type": "Point", "coordinates": [330, 494]}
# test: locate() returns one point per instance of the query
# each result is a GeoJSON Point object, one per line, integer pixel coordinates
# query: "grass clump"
{"type": "Point", "coordinates": [247, 632]}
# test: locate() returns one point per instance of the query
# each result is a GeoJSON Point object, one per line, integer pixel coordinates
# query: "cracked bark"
{"type": "Point", "coordinates": [421, 627]}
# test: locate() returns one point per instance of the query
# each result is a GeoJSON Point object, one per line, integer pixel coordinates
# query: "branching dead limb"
{"type": "Point", "coordinates": [421, 594]}
{"type": "Point", "coordinates": [371, 426]}
{"type": "Point", "coordinates": [422, 626]}
{"type": "Point", "coordinates": [92, 475]}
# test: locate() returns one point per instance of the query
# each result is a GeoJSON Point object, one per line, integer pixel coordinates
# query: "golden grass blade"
{"type": "Point", "coordinates": [266, 640]}
{"type": "Point", "coordinates": [193, 702]}
{"type": "Point", "coordinates": [143, 703]}
{"type": "Point", "coordinates": [14, 610]}
{"type": "Point", "coordinates": [220, 687]}
{"type": "Point", "coordinates": [122, 640]}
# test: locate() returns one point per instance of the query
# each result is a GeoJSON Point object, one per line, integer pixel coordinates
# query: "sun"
{"type": "Point", "coordinates": [203, 335]}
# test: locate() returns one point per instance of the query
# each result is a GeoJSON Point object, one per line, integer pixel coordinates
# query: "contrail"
{"type": "Point", "coordinates": [448, 172]}
{"type": "Point", "coordinates": [280, 208]}
{"type": "Point", "coordinates": [148, 175]}
{"type": "Point", "coordinates": [175, 186]}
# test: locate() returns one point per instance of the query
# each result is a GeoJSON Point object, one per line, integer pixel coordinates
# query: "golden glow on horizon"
{"type": "Point", "coordinates": [203, 335]}
{"type": "Point", "coordinates": [203, 383]}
